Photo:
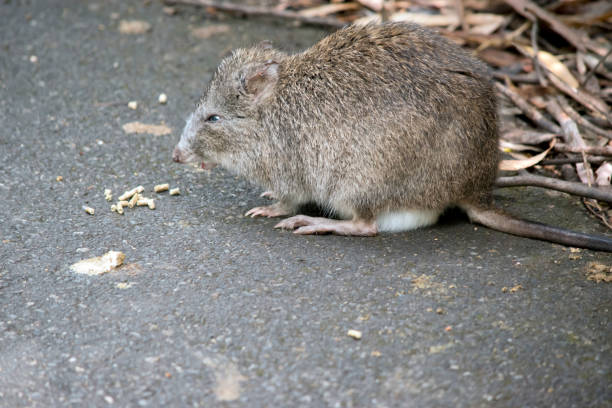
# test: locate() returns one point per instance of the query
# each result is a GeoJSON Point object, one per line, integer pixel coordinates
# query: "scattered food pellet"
{"type": "Point", "coordinates": [119, 208]}
{"type": "Point", "coordinates": [33, 59]}
{"type": "Point", "coordinates": [128, 194]}
{"type": "Point", "coordinates": [448, 328]}
{"type": "Point", "coordinates": [133, 27]}
{"type": "Point", "coordinates": [175, 191]}
{"type": "Point", "coordinates": [133, 105]}
{"type": "Point", "coordinates": [123, 285]}
{"type": "Point", "coordinates": [146, 201]}
{"type": "Point", "coordinates": [440, 310]}
{"type": "Point", "coordinates": [516, 288]}
{"type": "Point", "coordinates": [133, 200]}
{"type": "Point", "coordinates": [108, 194]}
{"type": "Point", "coordinates": [210, 30]}
{"type": "Point", "coordinates": [155, 130]}
{"type": "Point", "coordinates": [161, 187]}
{"type": "Point", "coordinates": [598, 272]}
{"type": "Point", "coordinates": [89, 210]}
{"type": "Point", "coordinates": [59, 178]}
{"type": "Point", "coordinates": [356, 334]}
{"type": "Point", "coordinates": [99, 264]}
{"type": "Point", "coordinates": [163, 98]}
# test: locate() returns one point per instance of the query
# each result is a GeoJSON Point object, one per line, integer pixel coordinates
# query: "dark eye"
{"type": "Point", "coordinates": [213, 118]}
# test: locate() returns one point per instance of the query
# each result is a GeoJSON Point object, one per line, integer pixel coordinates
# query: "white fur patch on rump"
{"type": "Point", "coordinates": [394, 221]}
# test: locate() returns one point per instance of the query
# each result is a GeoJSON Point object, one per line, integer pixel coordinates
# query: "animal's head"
{"type": "Point", "coordinates": [225, 122]}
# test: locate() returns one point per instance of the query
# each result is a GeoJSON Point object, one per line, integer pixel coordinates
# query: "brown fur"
{"type": "Point", "coordinates": [371, 119]}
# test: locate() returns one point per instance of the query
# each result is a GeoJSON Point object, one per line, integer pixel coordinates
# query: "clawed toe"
{"type": "Point", "coordinates": [274, 210]}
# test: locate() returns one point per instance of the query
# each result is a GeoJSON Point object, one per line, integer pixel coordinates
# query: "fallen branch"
{"type": "Point", "coordinates": [581, 120]}
{"type": "Point", "coordinates": [569, 187]}
{"type": "Point", "coordinates": [574, 159]}
{"type": "Point", "coordinates": [590, 101]}
{"type": "Point", "coordinates": [526, 8]}
{"type": "Point", "coordinates": [598, 150]}
{"type": "Point", "coordinates": [260, 11]}
{"type": "Point", "coordinates": [573, 139]}
{"type": "Point", "coordinates": [528, 109]}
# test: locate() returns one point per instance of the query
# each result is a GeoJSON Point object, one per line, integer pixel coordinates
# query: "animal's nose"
{"type": "Point", "coordinates": [176, 155]}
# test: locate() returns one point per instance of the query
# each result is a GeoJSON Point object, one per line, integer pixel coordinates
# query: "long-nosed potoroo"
{"type": "Point", "coordinates": [385, 126]}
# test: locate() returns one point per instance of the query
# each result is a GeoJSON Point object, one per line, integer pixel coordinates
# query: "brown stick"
{"type": "Point", "coordinates": [573, 139]}
{"type": "Point", "coordinates": [592, 71]}
{"type": "Point", "coordinates": [524, 7]}
{"type": "Point", "coordinates": [581, 120]}
{"type": "Point", "coordinates": [260, 11]}
{"type": "Point", "coordinates": [599, 150]}
{"type": "Point", "coordinates": [522, 78]}
{"type": "Point", "coordinates": [590, 101]}
{"type": "Point", "coordinates": [574, 159]}
{"type": "Point", "coordinates": [570, 187]}
{"type": "Point", "coordinates": [528, 110]}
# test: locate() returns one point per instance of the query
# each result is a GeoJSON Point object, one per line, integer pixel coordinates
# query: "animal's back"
{"type": "Point", "coordinates": [389, 116]}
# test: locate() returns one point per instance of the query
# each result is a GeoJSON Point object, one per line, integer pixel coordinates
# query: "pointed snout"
{"type": "Point", "coordinates": [177, 155]}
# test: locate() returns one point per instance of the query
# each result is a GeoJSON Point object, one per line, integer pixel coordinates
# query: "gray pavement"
{"type": "Point", "coordinates": [214, 309]}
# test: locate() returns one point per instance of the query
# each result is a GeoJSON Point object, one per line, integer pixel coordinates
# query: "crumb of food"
{"type": "Point", "coordinates": [440, 311]}
{"type": "Point", "coordinates": [161, 187]}
{"type": "Point", "coordinates": [516, 288]}
{"type": "Point", "coordinates": [146, 201]}
{"type": "Point", "coordinates": [59, 178]}
{"type": "Point", "coordinates": [133, 27]}
{"type": "Point", "coordinates": [108, 194]}
{"type": "Point", "coordinates": [504, 289]}
{"type": "Point", "coordinates": [133, 200]}
{"type": "Point", "coordinates": [133, 105]}
{"type": "Point", "coordinates": [138, 127]}
{"type": "Point", "coordinates": [163, 98]}
{"type": "Point", "coordinates": [128, 194]}
{"type": "Point", "coordinates": [123, 285]}
{"type": "Point", "coordinates": [89, 210]}
{"type": "Point", "coordinates": [120, 207]}
{"type": "Point", "coordinates": [33, 59]}
{"type": "Point", "coordinates": [448, 328]}
{"type": "Point", "coordinates": [598, 272]}
{"type": "Point", "coordinates": [210, 30]}
{"type": "Point", "coordinates": [356, 334]}
{"type": "Point", "coordinates": [175, 191]}
{"type": "Point", "coordinates": [99, 264]}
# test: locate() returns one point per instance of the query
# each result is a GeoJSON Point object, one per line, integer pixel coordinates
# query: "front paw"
{"type": "Point", "coordinates": [274, 210]}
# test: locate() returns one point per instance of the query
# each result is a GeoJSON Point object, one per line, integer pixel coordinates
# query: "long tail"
{"type": "Point", "coordinates": [497, 220]}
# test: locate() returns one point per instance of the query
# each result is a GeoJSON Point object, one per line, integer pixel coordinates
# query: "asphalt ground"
{"type": "Point", "coordinates": [214, 309]}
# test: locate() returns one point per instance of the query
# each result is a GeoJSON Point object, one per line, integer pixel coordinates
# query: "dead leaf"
{"type": "Point", "coordinates": [527, 136]}
{"type": "Point", "coordinates": [375, 5]}
{"type": "Point", "coordinates": [133, 27]}
{"type": "Point", "coordinates": [327, 9]}
{"type": "Point", "coordinates": [604, 172]}
{"type": "Point", "coordinates": [553, 64]}
{"type": "Point", "coordinates": [210, 30]}
{"type": "Point", "coordinates": [513, 165]}
{"type": "Point", "coordinates": [155, 130]}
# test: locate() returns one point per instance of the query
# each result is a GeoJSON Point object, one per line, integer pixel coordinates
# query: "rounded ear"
{"type": "Point", "coordinates": [260, 80]}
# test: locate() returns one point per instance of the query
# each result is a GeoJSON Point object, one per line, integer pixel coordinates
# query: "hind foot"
{"type": "Point", "coordinates": [304, 225]}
